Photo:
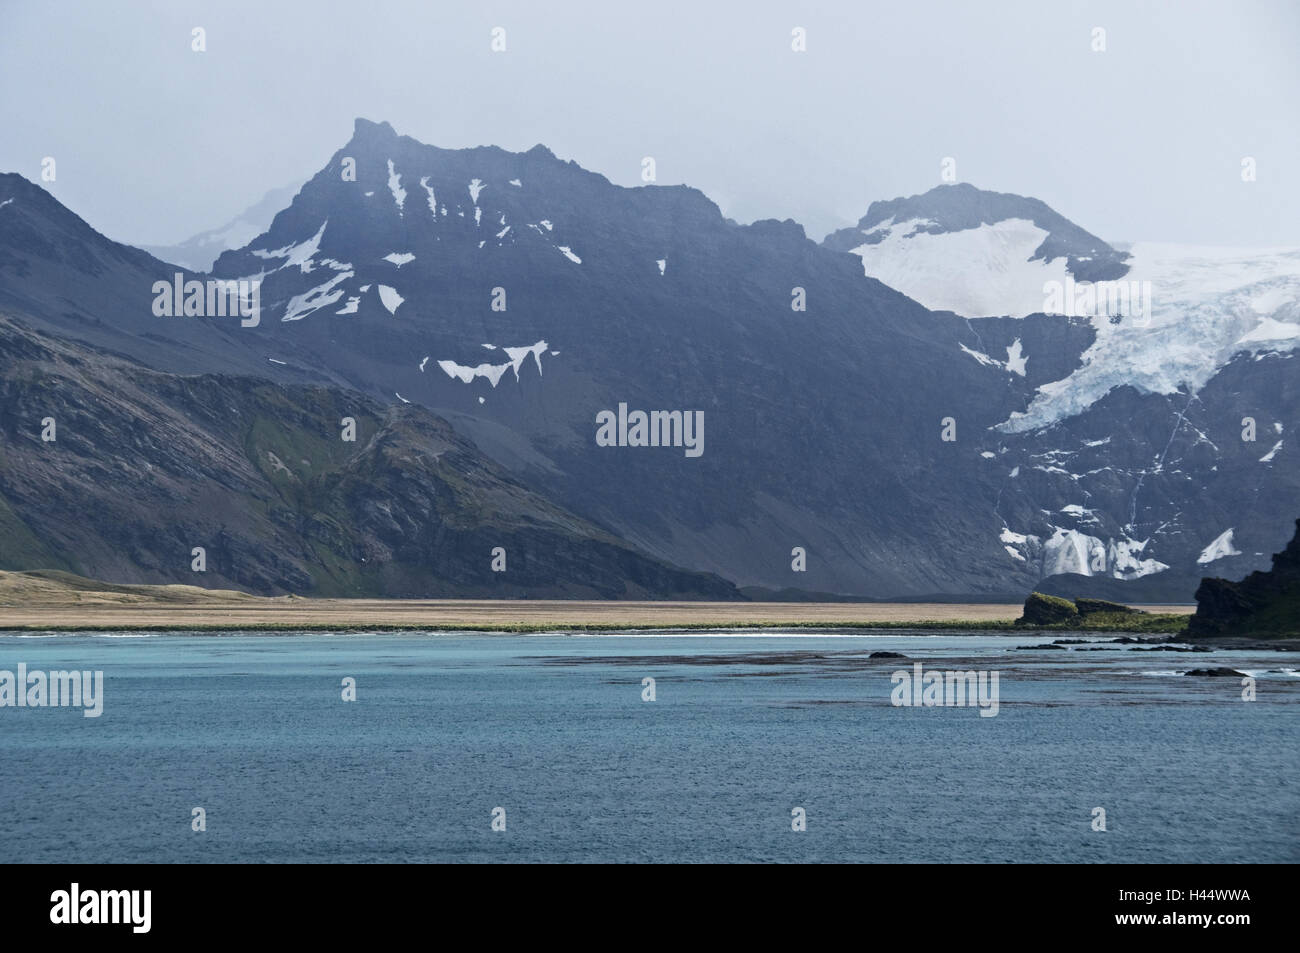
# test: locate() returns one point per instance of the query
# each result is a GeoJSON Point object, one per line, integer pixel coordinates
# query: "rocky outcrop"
{"type": "Point", "coordinates": [1052, 612]}
{"type": "Point", "coordinates": [1048, 610]}
{"type": "Point", "coordinates": [1264, 605]}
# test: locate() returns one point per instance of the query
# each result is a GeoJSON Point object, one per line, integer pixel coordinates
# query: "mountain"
{"type": "Point", "coordinates": [1264, 605]}
{"type": "Point", "coordinates": [522, 298]}
{"type": "Point", "coordinates": [819, 432]}
{"type": "Point", "coordinates": [145, 466]}
{"type": "Point", "coordinates": [1165, 437]}
{"type": "Point", "coordinates": [66, 279]}
{"type": "Point", "coordinates": [928, 245]}
{"type": "Point", "coordinates": [198, 252]}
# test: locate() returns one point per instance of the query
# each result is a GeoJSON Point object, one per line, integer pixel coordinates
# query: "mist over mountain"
{"type": "Point", "coordinates": [982, 447]}
{"type": "Point", "coordinates": [198, 252]}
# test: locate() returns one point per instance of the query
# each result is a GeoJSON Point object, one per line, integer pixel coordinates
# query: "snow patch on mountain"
{"type": "Point", "coordinates": [1072, 551]}
{"type": "Point", "coordinates": [319, 297]}
{"type": "Point", "coordinates": [493, 373]}
{"type": "Point", "coordinates": [300, 254]}
{"type": "Point", "coordinates": [976, 272]}
{"type": "Point", "coordinates": [489, 372]}
{"type": "Point", "coordinates": [1015, 362]}
{"type": "Point", "coordinates": [399, 258]}
{"type": "Point", "coordinates": [517, 355]}
{"type": "Point", "coordinates": [433, 202]}
{"type": "Point", "coordinates": [980, 356]}
{"type": "Point", "coordinates": [390, 298]}
{"type": "Point", "coordinates": [395, 186]}
{"type": "Point", "coordinates": [1220, 547]}
{"type": "Point", "coordinates": [1016, 358]}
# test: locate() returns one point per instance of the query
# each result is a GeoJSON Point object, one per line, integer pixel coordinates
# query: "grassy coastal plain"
{"type": "Point", "coordinates": [61, 601]}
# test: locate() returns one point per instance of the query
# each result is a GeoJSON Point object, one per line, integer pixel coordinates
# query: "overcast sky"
{"type": "Point", "coordinates": [155, 142]}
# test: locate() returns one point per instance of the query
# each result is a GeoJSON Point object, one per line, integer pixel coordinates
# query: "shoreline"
{"type": "Point", "coordinates": [459, 615]}
{"type": "Point", "coordinates": [54, 601]}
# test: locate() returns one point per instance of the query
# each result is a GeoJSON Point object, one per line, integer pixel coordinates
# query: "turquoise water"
{"type": "Point", "coordinates": [553, 728]}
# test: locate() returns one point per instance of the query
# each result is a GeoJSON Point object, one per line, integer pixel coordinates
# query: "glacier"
{"type": "Point", "coordinates": [1208, 305]}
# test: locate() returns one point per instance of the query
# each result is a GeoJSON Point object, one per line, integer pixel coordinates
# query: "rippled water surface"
{"type": "Point", "coordinates": [553, 728]}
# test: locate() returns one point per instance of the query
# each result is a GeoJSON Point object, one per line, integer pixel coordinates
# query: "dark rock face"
{"type": "Point", "coordinates": [1215, 673]}
{"type": "Point", "coordinates": [64, 278]}
{"type": "Point", "coordinates": [1208, 479]}
{"type": "Point", "coordinates": [1047, 610]}
{"type": "Point", "coordinates": [1264, 605]}
{"type": "Point", "coordinates": [821, 430]}
{"type": "Point", "coordinates": [145, 466]}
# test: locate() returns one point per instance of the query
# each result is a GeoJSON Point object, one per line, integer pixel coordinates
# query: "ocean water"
{"type": "Point", "coordinates": [744, 729]}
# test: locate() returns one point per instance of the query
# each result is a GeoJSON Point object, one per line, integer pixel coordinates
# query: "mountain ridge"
{"type": "Point", "coordinates": [823, 426]}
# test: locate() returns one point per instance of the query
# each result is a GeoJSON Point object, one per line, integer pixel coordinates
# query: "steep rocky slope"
{"type": "Point", "coordinates": [145, 466]}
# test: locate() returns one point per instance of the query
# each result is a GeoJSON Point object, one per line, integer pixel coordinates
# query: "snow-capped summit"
{"type": "Point", "coordinates": [1147, 371]}
{"type": "Point", "coordinates": [1164, 317]}
{"type": "Point", "coordinates": [976, 253]}
{"type": "Point", "coordinates": [387, 209]}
